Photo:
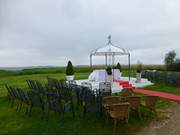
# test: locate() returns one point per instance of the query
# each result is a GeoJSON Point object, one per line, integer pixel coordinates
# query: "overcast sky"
{"type": "Point", "coordinates": [51, 32]}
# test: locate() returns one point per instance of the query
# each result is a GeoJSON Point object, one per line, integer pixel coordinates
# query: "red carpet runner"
{"type": "Point", "coordinates": [172, 97]}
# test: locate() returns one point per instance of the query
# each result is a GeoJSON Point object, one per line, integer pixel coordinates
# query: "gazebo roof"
{"type": "Point", "coordinates": [109, 49]}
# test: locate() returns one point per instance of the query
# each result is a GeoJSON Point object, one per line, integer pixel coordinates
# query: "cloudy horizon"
{"type": "Point", "coordinates": [49, 33]}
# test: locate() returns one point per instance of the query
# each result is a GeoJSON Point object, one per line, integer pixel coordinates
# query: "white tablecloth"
{"type": "Point", "coordinates": [102, 76]}
{"type": "Point", "coordinates": [98, 76]}
{"type": "Point", "coordinates": [116, 74]}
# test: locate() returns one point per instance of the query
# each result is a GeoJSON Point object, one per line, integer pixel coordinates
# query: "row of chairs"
{"type": "Point", "coordinates": [118, 107]}
{"type": "Point", "coordinates": [58, 96]}
{"type": "Point", "coordinates": [39, 95]}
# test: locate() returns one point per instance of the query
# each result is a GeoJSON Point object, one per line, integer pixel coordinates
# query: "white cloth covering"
{"type": "Point", "coordinates": [116, 74]}
{"type": "Point", "coordinates": [102, 76]}
{"type": "Point", "coordinates": [98, 76]}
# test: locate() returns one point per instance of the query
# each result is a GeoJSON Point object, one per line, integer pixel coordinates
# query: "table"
{"type": "Point", "coordinates": [102, 76]}
{"type": "Point", "coordinates": [98, 76]}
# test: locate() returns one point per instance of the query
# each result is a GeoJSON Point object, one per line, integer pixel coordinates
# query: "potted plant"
{"type": "Point", "coordinates": [119, 67]}
{"type": "Point", "coordinates": [69, 71]}
{"type": "Point", "coordinates": [109, 72]}
{"type": "Point", "coordinates": [138, 72]}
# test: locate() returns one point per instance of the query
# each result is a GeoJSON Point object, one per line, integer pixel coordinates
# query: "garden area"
{"type": "Point", "coordinates": [17, 122]}
{"type": "Point", "coordinates": [40, 101]}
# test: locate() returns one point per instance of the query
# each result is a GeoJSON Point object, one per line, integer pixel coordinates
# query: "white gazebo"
{"type": "Point", "coordinates": [109, 52]}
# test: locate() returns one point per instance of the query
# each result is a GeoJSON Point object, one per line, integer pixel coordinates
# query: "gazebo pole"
{"type": "Point", "coordinates": [91, 60]}
{"type": "Point", "coordinates": [109, 60]}
{"type": "Point", "coordinates": [129, 66]}
{"type": "Point", "coordinates": [113, 60]}
{"type": "Point", "coordinates": [106, 59]}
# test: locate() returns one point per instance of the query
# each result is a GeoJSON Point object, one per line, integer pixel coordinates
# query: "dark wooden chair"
{"type": "Point", "coordinates": [119, 112]}
{"type": "Point", "coordinates": [10, 95]}
{"type": "Point", "coordinates": [150, 103]}
{"type": "Point", "coordinates": [126, 92]}
{"type": "Point", "coordinates": [24, 99]}
{"type": "Point", "coordinates": [36, 101]}
{"type": "Point", "coordinates": [90, 101]}
{"type": "Point", "coordinates": [134, 103]}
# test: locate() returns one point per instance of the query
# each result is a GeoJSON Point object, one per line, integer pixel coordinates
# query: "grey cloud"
{"type": "Point", "coordinates": [45, 32]}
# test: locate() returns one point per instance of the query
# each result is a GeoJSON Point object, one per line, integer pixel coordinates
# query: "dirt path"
{"type": "Point", "coordinates": [167, 123]}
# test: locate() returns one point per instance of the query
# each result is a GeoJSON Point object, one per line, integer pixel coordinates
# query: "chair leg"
{"type": "Point", "coordinates": [42, 117]}
{"type": "Point", "coordinates": [127, 120]}
{"type": "Point", "coordinates": [114, 129]}
{"type": "Point", "coordinates": [47, 114]}
{"type": "Point", "coordinates": [12, 103]}
{"type": "Point", "coordinates": [151, 111]}
{"type": "Point", "coordinates": [30, 109]}
{"type": "Point", "coordinates": [72, 109]}
{"type": "Point", "coordinates": [17, 108]}
{"type": "Point", "coordinates": [62, 116]}
{"type": "Point", "coordinates": [20, 107]}
{"type": "Point", "coordinates": [27, 109]}
{"type": "Point", "coordinates": [84, 111]}
{"type": "Point", "coordinates": [106, 117]}
{"type": "Point", "coordinates": [154, 111]}
{"type": "Point", "coordinates": [139, 113]}
{"type": "Point", "coordinates": [78, 103]}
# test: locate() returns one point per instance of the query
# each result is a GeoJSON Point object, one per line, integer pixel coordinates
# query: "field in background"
{"type": "Point", "coordinates": [78, 69]}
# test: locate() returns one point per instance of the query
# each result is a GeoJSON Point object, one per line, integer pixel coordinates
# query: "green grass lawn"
{"type": "Point", "coordinates": [17, 123]}
{"type": "Point", "coordinates": [164, 88]}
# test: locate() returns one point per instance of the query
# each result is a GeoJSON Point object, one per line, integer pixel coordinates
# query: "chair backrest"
{"type": "Point", "coordinates": [87, 84]}
{"type": "Point", "coordinates": [109, 100]}
{"type": "Point", "coordinates": [37, 86]}
{"type": "Point", "coordinates": [150, 101]}
{"type": "Point", "coordinates": [90, 100]}
{"type": "Point", "coordinates": [35, 99]}
{"type": "Point", "coordinates": [32, 84]}
{"type": "Point", "coordinates": [120, 111]}
{"type": "Point", "coordinates": [23, 96]}
{"type": "Point", "coordinates": [64, 91]}
{"type": "Point", "coordinates": [126, 92]}
{"type": "Point", "coordinates": [15, 92]}
{"type": "Point", "coordinates": [40, 87]}
{"type": "Point", "coordinates": [73, 86]}
{"type": "Point", "coordinates": [54, 102]}
{"type": "Point", "coordinates": [134, 102]}
{"type": "Point", "coordinates": [104, 89]}
{"type": "Point", "coordinates": [51, 83]}
{"type": "Point", "coordinates": [63, 84]}
{"type": "Point", "coordinates": [72, 82]}
{"type": "Point", "coordinates": [10, 93]}
{"type": "Point", "coordinates": [105, 86]}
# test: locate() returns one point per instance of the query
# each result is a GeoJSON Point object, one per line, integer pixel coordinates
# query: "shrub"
{"type": "Point", "coordinates": [139, 67]}
{"type": "Point", "coordinates": [114, 67]}
{"type": "Point", "coordinates": [109, 70]}
{"type": "Point", "coordinates": [69, 69]}
{"type": "Point", "coordinates": [171, 63]}
{"type": "Point", "coordinates": [169, 60]}
{"type": "Point", "coordinates": [119, 66]}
